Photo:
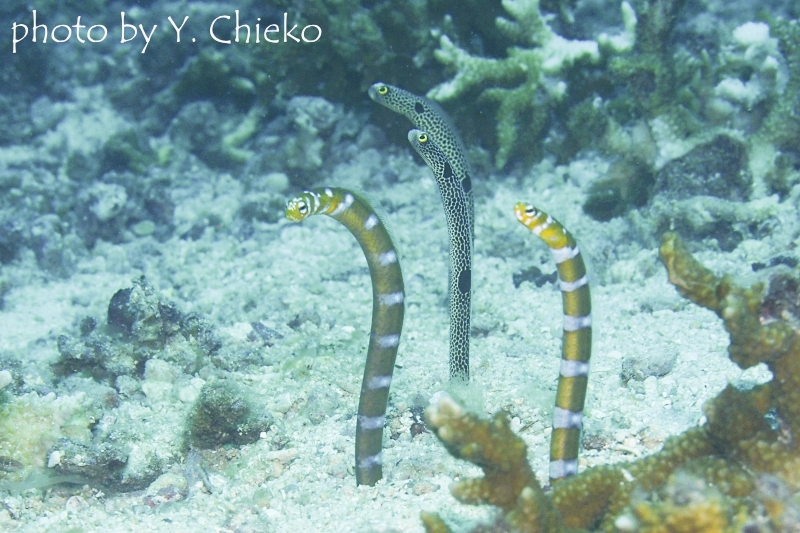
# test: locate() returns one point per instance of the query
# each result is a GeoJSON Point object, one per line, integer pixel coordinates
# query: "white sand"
{"type": "Point", "coordinates": [283, 269]}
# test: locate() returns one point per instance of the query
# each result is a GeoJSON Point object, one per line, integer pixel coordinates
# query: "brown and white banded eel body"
{"type": "Point", "coordinates": [388, 307]}
{"type": "Point", "coordinates": [576, 346]}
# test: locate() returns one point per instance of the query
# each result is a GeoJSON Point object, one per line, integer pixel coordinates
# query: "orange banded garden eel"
{"type": "Point", "coordinates": [456, 190]}
{"type": "Point", "coordinates": [388, 305]}
{"type": "Point", "coordinates": [576, 345]}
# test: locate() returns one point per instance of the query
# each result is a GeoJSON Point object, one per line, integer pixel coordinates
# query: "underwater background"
{"type": "Point", "coordinates": [175, 355]}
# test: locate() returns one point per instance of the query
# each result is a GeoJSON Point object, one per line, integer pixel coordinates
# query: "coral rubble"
{"type": "Point", "coordinates": [223, 414]}
{"type": "Point", "coordinates": [735, 472]}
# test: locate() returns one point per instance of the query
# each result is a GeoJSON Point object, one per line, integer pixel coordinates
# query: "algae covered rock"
{"type": "Point", "coordinates": [629, 183]}
{"type": "Point", "coordinates": [224, 414]}
{"type": "Point", "coordinates": [640, 366]}
{"type": "Point", "coordinates": [197, 129]}
{"type": "Point", "coordinates": [716, 168]}
{"type": "Point", "coordinates": [101, 462]}
{"type": "Point", "coordinates": [141, 326]}
{"type": "Point", "coordinates": [95, 355]}
{"type": "Point", "coordinates": [30, 424]}
{"type": "Point", "coordinates": [155, 324]}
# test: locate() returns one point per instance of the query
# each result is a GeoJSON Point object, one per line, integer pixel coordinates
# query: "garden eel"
{"type": "Point", "coordinates": [455, 208]}
{"type": "Point", "coordinates": [388, 307]}
{"type": "Point", "coordinates": [576, 345]}
{"type": "Point", "coordinates": [456, 190]}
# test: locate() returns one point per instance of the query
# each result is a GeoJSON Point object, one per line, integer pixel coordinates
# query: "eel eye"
{"type": "Point", "coordinates": [530, 211]}
{"type": "Point", "coordinates": [302, 207]}
{"type": "Point", "coordinates": [422, 138]}
{"type": "Point", "coordinates": [383, 89]}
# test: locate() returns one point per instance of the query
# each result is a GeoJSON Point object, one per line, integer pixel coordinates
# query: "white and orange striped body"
{"type": "Point", "coordinates": [388, 307]}
{"type": "Point", "coordinates": [577, 341]}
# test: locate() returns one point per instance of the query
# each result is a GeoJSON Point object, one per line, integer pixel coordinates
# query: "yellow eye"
{"type": "Point", "coordinates": [383, 89]}
{"type": "Point", "coordinates": [422, 138]}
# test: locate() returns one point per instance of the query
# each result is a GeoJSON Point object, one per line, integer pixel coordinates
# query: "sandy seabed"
{"type": "Point", "coordinates": [316, 268]}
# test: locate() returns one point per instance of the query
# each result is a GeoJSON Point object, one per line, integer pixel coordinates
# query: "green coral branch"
{"type": "Point", "coordinates": [470, 70]}
{"type": "Point", "coordinates": [780, 130]}
{"type": "Point", "coordinates": [537, 65]}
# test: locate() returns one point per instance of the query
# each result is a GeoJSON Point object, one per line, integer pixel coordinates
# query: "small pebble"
{"type": "Point", "coordinates": [423, 487]}
{"type": "Point", "coordinates": [276, 181]}
{"type": "Point", "coordinates": [5, 379]}
{"type": "Point", "coordinates": [657, 362]}
{"type": "Point", "coordinates": [55, 458]}
{"type": "Point", "coordinates": [75, 504]}
{"type": "Point", "coordinates": [144, 228]}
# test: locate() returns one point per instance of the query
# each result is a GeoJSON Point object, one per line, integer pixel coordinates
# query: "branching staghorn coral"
{"type": "Point", "coordinates": [736, 472]}
{"type": "Point", "coordinates": [649, 71]}
{"type": "Point", "coordinates": [508, 480]}
{"type": "Point", "coordinates": [780, 129]}
{"type": "Point", "coordinates": [537, 66]}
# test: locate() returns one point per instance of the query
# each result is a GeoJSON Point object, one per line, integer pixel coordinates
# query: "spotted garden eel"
{"type": "Point", "coordinates": [455, 189]}
{"type": "Point", "coordinates": [576, 345]}
{"type": "Point", "coordinates": [388, 307]}
{"type": "Point", "coordinates": [455, 209]}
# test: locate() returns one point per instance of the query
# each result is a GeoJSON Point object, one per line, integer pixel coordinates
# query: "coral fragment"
{"type": "Point", "coordinates": [739, 471]}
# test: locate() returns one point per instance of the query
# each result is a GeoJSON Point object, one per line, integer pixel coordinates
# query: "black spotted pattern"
{"type": "Point", "coordinates": [456, 209]}
{"type": "Point", "coordinates": [465, 280]}
{"type": "Point", "coordinates": [455, 189]}
{"type": "Point", "coordinates": [428, 116]}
